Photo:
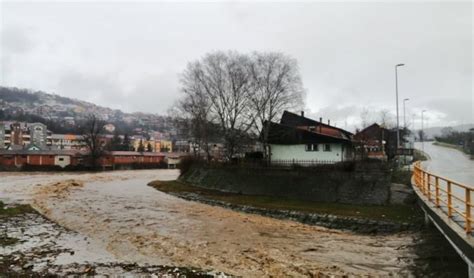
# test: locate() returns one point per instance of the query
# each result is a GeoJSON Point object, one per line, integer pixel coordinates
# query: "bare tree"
{"type": "Point", "coordinates": [365, 117]}
{"type": "Point", "coordinates": [238, 93]}
{"type": "Point", "coordinates": [192, 111]}
{"type": "Point", "coordinates": [275, 86]}
{"type": "Point", "coordinates": [385, 118]}
{"type": "Point", "coordinates": [222, 79]}
{"type": "Point", "coordinates": [91, 132]}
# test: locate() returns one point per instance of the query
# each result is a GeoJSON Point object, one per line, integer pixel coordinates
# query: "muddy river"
{"type": "Point", "coordinates": [118, 218]}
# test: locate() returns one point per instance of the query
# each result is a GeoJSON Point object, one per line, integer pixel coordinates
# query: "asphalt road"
{"type": "Point", "coordinates": [449, 163]}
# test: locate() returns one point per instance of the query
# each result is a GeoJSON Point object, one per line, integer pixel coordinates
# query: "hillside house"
{"type": "Point", "coordinates": [300, 140]}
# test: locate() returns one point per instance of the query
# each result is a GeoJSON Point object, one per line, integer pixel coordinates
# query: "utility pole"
{"type": "Point", "coordinates": [396, 95]}
{"type": "Point", "coordinates": [404, 113]}
{"type": "Point", "coordinates": [422, 137]}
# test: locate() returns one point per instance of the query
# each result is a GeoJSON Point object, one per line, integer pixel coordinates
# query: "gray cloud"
{"type": "Point", "coordinates": [128, 56]}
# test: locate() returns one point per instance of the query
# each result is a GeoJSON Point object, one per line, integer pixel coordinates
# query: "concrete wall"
{"type": "Point", "coordinates": [362, 186]}
{"type": "Point", "coordinates": [299, 152]}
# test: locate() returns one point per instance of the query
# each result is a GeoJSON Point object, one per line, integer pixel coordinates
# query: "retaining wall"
{"type": "Point", "coordinates": [368, 184]}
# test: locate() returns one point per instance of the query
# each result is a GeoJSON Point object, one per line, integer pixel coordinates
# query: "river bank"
{"type": "Point", "coordinates": [127, 222]}
{"type": "Point", "coordinates": [365, 219]}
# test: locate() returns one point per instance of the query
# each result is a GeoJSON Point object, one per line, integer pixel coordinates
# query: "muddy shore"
{"type": "Point", "coordinates": [129, 223]}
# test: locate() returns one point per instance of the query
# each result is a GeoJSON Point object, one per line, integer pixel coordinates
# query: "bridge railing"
{"type": "Point", "coordinates": [444, 192]}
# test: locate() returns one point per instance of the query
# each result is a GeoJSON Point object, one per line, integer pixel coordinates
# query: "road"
{"type": "Point", "coordinates": [129, 221]}
{"type": "Point", "coordinates": [449, 163]}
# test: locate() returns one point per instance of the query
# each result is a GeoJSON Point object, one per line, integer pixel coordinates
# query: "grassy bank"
{"type": "Point", "coordinates": [446, 145]}
{"type": "Point", "coordinates": [395, 213]}
{"type": "Point", "coordinates": [419, 155]}
{"type": "Point", "coordinates": [14, 211]}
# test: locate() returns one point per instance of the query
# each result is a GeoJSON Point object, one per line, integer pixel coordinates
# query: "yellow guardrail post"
{"type": "Point", "coordinates": [450, 212]}
{"type": "Point", "coordinates": [437, 191]}
{"type": "Point", "coordinates": [468, 210]}
{"type": "Point", "coordinates": [428, 186]}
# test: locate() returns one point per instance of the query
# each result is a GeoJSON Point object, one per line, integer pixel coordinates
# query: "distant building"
{"type": "Point", "coordinates": [109, 127]}
{"type": "Point", "coordinates": [67, 142]}
{"type": "Point", "coordinates": [373, 141]}
{"type": "Point", "coordinates": [16, 134]}
{"type": "Point", "coordinates": [156, 145]}
{"type": "Point", "coordinates": [38, 134]}
{"type": "Point", "coordinates": [2, 136]}
{"type": "Point", "coordinates": [20, 135]}
{"type": "Point", "coordinates": [381, 143]}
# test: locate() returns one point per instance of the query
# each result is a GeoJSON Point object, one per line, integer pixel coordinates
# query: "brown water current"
{"type": "Point", "coordinates": [133, 222]}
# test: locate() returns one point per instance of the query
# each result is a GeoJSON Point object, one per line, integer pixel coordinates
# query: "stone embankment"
{"type": "Point", "coordinates": [367, 184]}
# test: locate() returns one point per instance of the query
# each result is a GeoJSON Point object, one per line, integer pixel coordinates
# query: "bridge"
{"type": "Point", "coordinates": [447, 204]}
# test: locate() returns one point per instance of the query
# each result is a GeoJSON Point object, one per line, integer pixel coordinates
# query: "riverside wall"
{"type": "Point", "coordinates": [366, 184]}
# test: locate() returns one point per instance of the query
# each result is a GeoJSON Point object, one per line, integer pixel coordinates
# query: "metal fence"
{"type": "Point", "coordinates": [453, 198]}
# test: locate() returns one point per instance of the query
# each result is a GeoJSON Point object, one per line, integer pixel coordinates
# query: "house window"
{"type": "Point", "coordinates": [61, 159]}
{"type": "Point", "coordinates": [311, 147]}
{"type": "Point", "coordinates": [327, 147]}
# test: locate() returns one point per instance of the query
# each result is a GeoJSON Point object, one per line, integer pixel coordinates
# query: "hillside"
{"type": "Point", "coordinates": [27, 105]}
{"type": "Point", "coordinates": [432, 132]}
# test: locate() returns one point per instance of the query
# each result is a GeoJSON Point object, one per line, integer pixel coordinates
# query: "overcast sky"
{"type": "Point", "coordinates": [129, 55]}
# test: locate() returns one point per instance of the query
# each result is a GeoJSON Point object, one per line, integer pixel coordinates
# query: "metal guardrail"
{"type": "Point", "coordinates": [445, 192]}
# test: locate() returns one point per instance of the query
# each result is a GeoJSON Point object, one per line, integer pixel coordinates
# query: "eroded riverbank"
{"type": "Point", "coordinates": [134, 223]}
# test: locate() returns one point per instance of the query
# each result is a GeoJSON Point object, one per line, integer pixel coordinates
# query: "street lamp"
{"type": "Point", "coordinates": [396, 94]}
{"type": "Point", "coordinates": [422, 135]}
{"type": "Point", "coordinates": [404, 112]}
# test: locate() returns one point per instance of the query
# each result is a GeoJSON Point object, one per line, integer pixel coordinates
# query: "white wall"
{"type": "Point", "coordinates": [66, 160]}
{"type": "Point", "coordinates": [298, 152]}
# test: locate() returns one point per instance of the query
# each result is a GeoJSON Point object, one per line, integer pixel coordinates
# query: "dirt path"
{"type": "Point", "coordinates": [137, 223]}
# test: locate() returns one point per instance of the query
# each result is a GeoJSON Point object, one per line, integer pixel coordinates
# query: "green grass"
{"type": "Point", "coordinates": [13, 211]}
{"type": "Point", "coordinates": [396, 213]}
{"type": "Point", "coordinates": [452, 146]}
{"type": "Point", "coordinates": [419, 156]}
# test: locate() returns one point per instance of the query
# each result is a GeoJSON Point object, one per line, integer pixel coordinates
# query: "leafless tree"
{"type": "Point", "coordinates": [365, 117]}
{"type": "Point", "coordinates": [386, 118]}
{"type": "Point", "coordinates": [275, 86]}
{"type": "Point", "coordinates": [222, 80]}
{"type": "Point", "coordinates": [238, 93]}
{"type": "Point", "coordinates": [91, 132]}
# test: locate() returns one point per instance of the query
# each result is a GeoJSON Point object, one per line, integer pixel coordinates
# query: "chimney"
{"type": "Point", "coordinates": [329, 122]}
{"type": "Point", "coordinates": [302, 113]}
{"type": "Point", "coordinates": [320, 119]}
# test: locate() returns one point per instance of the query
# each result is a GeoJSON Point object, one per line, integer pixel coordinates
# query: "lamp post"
{"type": "Point", "coordinates": [404, 113]}
{"type": "Point", "coordinates": [422, 137]}
{"type": "Point", "coordinates": [396, 94]}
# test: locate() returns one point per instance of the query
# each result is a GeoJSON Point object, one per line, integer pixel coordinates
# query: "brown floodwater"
{"type": "Point", "coordinates": [132, 222]}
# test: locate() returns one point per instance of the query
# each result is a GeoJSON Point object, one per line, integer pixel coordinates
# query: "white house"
{"type": "Point", "coordinates": [300, 140]}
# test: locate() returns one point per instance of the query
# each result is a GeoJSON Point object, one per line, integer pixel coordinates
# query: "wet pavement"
{"type": "Point", "coordinates": [114, 217]}
{"type": "Point", "coordinates": [449, 163]}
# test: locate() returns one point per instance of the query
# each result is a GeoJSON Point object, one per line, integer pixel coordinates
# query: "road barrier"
{"type": "Point", "coordinates": [440, 191]}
